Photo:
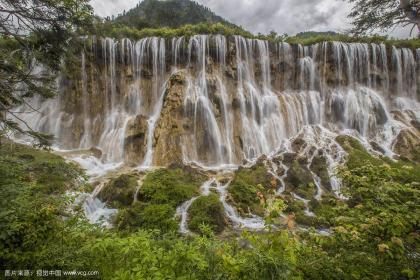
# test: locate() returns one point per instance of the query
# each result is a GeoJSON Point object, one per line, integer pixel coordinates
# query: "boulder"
{"type": "Point", "coordinates": [407, 145]}
{"type": "Point", "coordinates": [136, 140]}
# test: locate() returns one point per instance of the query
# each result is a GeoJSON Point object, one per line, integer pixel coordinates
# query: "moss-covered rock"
{"type": "Point", "coordinates": [119, 192]}
{"type": "Point", "coordinates": [209, 211]}
{"type": "Point", "coordinates": [299, 179]}
{"type": "Point", "coordinates": [249, 188]}
{"type": "Point", "coordinates": [170, 186]}
{"type": "Point", "coordinates": [147, 216]}
{"type": "Point", "coordinates": [319, 167]}
{"type": "Point", "coordinates": [159, 196]}
{"type": "Point", "coordinates": [349, 143]}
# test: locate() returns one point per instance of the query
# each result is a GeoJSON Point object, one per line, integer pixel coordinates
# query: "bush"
{"type": "Point", "coordinates": [246, 187]}
{"type": "Point", "coordinates": [209, 211]}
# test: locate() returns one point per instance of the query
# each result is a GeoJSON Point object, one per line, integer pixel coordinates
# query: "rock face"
{"type": "Point", "coordinates": [221, 101]}
{"type": "Point", "coordinates": [135, 140]}
{"type": "Point", "coordinates": [171, 125]}
{"type": "Point", "coordinates": [407, 145]}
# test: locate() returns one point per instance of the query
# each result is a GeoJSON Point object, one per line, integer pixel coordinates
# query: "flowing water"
{"type": "Point", "coordinates": [242, 98]}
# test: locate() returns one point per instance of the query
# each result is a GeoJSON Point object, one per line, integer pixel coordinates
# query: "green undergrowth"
{"type": "Point", "coordinates": [208, 211]}
{"type": "Point", "coordinates": [249, 188]}
{"type": "Point", "coordinates": [119, 192]}
{"type": "Point", "coordinates": [32, 184]}
{"type": "Point", "coordinates": [373, 233]}
{"type": "Point", "coordinates": [159, 196]}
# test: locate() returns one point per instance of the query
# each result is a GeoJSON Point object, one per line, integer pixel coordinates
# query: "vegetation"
{"type": "Point", "coordinates": [30, 32]}
{"type": "Point", "coordinates": [207, 211]}
{"type": "Point", "coordinates": [119, 192]}
{"type": "Point", "coordinates": [373, 15]}
{"type": "Point", "coordinates": [159, 196]}
{"type": "Point", "coordinates": [121, 31]}
{"type": "Point", "coordinates": [373, 234]}
{"type": "Point", "coordinates": [171, 14]}
{"type": "Point", "coordinates": [250, 188]}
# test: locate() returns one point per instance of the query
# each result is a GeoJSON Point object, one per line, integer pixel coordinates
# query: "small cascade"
{"type": "Point", "coordinates": [95, 210]}
{"type": "Point", "coordinates": [307, 211]}
{"type": "Point", "coordinates": [182, 211]}
{"type": "Point", "coordinates": [253, 223]}
{"type": "Point", "coordinates": [158, 47]}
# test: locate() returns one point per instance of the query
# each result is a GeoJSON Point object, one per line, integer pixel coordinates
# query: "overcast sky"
{"type": "Point", "coordinates": [282, 16]}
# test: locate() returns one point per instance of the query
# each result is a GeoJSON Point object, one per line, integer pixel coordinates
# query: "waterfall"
{"type": "Point", "coordinates": [86, 140]}
{"type": "Point", "coordinates": [242, 98]}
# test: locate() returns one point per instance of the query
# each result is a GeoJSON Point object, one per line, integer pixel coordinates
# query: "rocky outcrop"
{"type": "Point", "coordinates": [170, 127]}
{"type": "Point", "coordinates": [135, 140]}
{"type": "Point", "coordinates": [407, 145]}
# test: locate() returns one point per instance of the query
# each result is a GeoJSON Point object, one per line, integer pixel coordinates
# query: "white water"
{"type": "Point", "coordinates": [243, 99]}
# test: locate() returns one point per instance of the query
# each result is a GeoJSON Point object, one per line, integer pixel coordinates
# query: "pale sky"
{"type": "Point", "coordinates": [282, 16]}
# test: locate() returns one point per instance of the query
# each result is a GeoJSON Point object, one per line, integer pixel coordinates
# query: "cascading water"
{"type": "Point", "coordinates": [236, 100]}
{"type": "Point", "coordinates": [242, 99]}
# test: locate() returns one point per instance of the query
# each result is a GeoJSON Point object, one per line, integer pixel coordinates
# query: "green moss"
{"type": "Point", "coordinates": [119, 191]}
{"type": "Point", "coordinates": [300, 179]}
{"type": "Point", "coordinates": [403, 171]}
{"type": "Point", "coordinates": [147, 216]}
{"type": "Point", "coordinates": [159, 196]}
{"type": "Point", "coordinates": [319, 167]}
{"type": "Point", "coordinates": [170, 186]}
{"type": "Point", "coordinates": [246, 187]}
{"type": "Point", "coordinates": [47, 172]}
{"type": "Point", "coordinates": [209, 211]}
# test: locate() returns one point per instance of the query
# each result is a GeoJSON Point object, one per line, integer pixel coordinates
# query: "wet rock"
{"type": "Point", "coordinates": [96, 152]}
{"type": "Point", "coordinates": [119, 192]}
{"type": "Point", "coordinates": [171, 125]}
{"type": "Point", "coordinates": [135, 140]}
{"type": "Point", "coordinates": [377, 147]}
{"type": "Point", "coordinates": [298, 145]}
{"type": "Point", "coordinates": [415, 124]}
{"type": "Point", "coordinates": [407, 145]}
{"type": "Point", "coordinates": [319, 167]}
{"type": "Point", "coordinates": [288, 158]}
{"type": "Point", "coordinates": [299, 175]}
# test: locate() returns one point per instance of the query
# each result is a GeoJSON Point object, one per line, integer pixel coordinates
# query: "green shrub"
{"type": "Point", "coordinates": [170, 186]}
{"type": "Point", "coordinates": [147, 216]}
{"type": "Point", "coordinates": [119, 192]}
{"type": "Point", "coordinates": [246, 187]}
{"type": "Point", "coordinates": [209, 211]}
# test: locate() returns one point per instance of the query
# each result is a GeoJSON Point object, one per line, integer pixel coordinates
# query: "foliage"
{"type": "Point", "coordinates": [371, 15]}
{"type": "Point", "coordinates": [119, 191]}
{"type": "Point", "coordinates": [33, 35]}
{"type": "Point", "coordinates": [374, 232]}
{"type": "Point", "coordinates": [31, 206]}
{"type": "Point", "coordinates": [248, 189]}
{"type": "Point", "coordinates": [172, 14]}
{"type": "Point", "coordinates": [209, 211]}
{"type": "Point", "coordinates": [159, 196]}
{"type": "Point", "coordinates": [170, 186]}
{"type": "Point", "coordinates": [115, 30]}
{"type": "Point", "coordinates": [409, 43]}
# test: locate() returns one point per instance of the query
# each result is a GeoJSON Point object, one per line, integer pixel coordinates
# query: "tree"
{"type": "Point", "coordinates": [370, 15]}
{"type": "Point", "coordinates": [33, 33]}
